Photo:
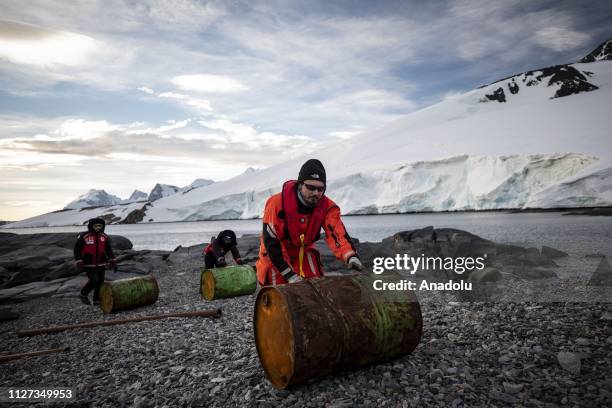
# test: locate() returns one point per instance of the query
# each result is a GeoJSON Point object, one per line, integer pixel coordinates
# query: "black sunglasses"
{"type": "Point", "coordinates": [314, 188]}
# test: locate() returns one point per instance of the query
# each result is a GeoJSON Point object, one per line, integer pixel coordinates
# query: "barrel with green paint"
{"type": "Point", "coordinates": [229, 281]}
{"type": "Point", "coordinates": [124, 294]}
{"type": "Point", "coordinates": [323, 325]}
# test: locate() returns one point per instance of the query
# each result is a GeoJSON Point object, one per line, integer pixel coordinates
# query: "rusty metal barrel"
{"type": "Point", "coordinates": [229, 281]}
{"type": "Point", "coordinates": [323, 325]}
{"type": "Point", "coordinates": [124, 294]}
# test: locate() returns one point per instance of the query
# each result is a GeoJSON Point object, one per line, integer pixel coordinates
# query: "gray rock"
{"type": "Point", "coordinates": [607, 316]}
{"type": "Point", "coordinates": [582, 341]}
{"type": "Point", "coordinates": [602, 275]}
{"type": "Point", "coordinates": [36, 257]}
{"type": "Point", "coordinates": [500, 396]}
{"type": "Point", "coordinates": [512, 389]}
{"type": "Point", "coordinates": [552, 252]}
{"type": "Point", "coordinates": [569, 361]}
{"type": "Point", "coordinates": [487, 274]}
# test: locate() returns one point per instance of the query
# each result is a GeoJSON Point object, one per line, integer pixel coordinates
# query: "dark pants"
{"type": "Point", "coordinates": [96, 279]}
{"type": "Point", "coordinates": [210, 261]}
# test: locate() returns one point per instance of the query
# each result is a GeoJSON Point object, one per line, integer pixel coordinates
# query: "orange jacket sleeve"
{"type": "Point", "coordinates": [336, 236]}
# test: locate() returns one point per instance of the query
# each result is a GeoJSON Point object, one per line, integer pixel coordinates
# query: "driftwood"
{"type": "Point", "coordinates": [11, 357]}
{"type": "Point", "coordinates": [214, 313]}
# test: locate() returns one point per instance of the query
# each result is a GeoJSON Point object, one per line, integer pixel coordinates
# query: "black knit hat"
{"type": "Point", "coordinates": [312, 170]}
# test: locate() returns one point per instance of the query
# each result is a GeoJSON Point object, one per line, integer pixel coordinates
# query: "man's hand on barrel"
{"type": "Point", "coordinates": [294, 278]}
{"type": "Point", "coordinates": [290, 276]}
{"type": "Point", "coordinates": [79, 265]}
{"type": "Point", "coordinates": [355, 264]}
{"type": "Point", "coordinates": [221, 262]}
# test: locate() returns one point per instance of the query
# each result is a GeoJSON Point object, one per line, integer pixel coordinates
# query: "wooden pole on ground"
{"type": "Point", "coordinates": [214, 313]}
{"type": "Point", "coordinates": [11, 357]}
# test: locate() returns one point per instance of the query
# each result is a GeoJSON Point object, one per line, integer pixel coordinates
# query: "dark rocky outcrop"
{"type": "Point", "coordinates": [42, 264]}
{"type": "Point", "coordinates": [135, 216]}
{"type": "Point", "coordinates": [602, 275]}
{"type": "Point", "coordinates": [497, 95]}
{"type": "Point", "coordinates": [552, 252]}
{"type": "Point", "coordinates": [601, 53]}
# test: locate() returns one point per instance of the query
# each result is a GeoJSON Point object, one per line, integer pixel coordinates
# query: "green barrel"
{"type": "Point", "coordinates": [228, 281]}
{"type": "Point", "coordinates": [323, 325]}
{"type": "Point", "coordinates": [129, 293]}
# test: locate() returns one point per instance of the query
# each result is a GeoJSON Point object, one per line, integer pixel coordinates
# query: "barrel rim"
{"type": "Point", "coordinates": [292, 327]}
{"type": "Point", "coordinates": [106, 292]}
{"type": "Point", "coordinates": [203, 280]}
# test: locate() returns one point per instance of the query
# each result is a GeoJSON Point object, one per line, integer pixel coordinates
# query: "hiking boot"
{"type": "Point", "coordinates": [84, 299]}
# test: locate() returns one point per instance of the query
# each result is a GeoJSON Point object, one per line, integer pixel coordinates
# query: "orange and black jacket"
{"type": "Point", "coordinates": [94, 249]}
{"type": "Point", "coordinates": [290, 230]}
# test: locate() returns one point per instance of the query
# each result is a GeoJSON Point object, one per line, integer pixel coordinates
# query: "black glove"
{"type": "Point", "coordinates": [79, 265]}
{"type": "Point", "coordinates": [221, 262]}
{"type": "Point", "coordinates": [113, 264]}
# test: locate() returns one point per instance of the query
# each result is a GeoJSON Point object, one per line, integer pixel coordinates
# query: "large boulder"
{"type": "Point", "coordinates": [602, 275]}
{"type": "Point", "coordinates": [29, 258]}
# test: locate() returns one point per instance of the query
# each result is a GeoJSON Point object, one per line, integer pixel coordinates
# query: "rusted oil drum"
{"type": "Point", "coordinates": [318, 326]}
{"type": "Point", "coordinates": [129, 293]}
{"type": "Point", "coordinates": [227, 282]}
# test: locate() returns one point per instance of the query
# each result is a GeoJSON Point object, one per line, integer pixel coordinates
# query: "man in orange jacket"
{"type": "Point", "coordinates": [292, 224]}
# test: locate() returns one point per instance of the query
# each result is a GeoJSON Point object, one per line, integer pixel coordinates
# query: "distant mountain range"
{"type": "Point", "coordinates": [539, 139]}
{"type": "Point", "coordinates": [100, 198]}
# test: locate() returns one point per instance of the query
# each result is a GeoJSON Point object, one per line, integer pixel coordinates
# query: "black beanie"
{"type": "Point", "coordinates": [312, 170]}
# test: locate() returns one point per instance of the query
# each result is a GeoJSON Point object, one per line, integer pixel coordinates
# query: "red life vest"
{"type": "Point", "coordinates": [298, 224]}
{"type": "Point", "coordinates": [94, 249]}
{"type": "Point", "coordinates": [301, 230]}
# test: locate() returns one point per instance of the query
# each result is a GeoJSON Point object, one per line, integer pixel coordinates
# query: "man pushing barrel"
{"type": "Point", "coordinates": [292, 224]}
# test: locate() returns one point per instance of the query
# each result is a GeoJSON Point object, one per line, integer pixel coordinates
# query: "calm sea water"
{"type": "Point", "coordinates": [577, 235]}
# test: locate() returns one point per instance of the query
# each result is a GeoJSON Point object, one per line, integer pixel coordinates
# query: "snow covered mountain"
{"type": "Point", "coordinates": [137, 195]}
{"type": "Point", "coordinates": [161, 191]}
{"type": "Point", "coordinates": [537, 139]}
{"type": "Point", "coordinates": [197, 183]}
{"type": "Point", "coordinates": [93, 198]}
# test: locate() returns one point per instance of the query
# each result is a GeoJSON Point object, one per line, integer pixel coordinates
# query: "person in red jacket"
{"type": "Point", "coordinates": [214, 253]}
{"type": "Point", "coordinates": [92, 251]}
{"type": "Point", "coordinates": [292, 224]}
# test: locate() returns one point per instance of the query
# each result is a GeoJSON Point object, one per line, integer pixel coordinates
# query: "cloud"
{"type": "Point", "coordinates": [197, 103]}
{"type": "Point", "coordinates": [31, 45]}
{"type": "Point", "coordinates": [344, 135]}
{"type": "Point", "coordinates": [146, 90]}
{"type": "Point", "coordinates": [208, 83]}
{"type": "Point", "coordinates": [561, 39]}
{"type": "Point", "coordinates": [76, 140]}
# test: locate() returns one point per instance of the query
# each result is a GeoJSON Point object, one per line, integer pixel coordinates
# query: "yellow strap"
{"type": "Point", "coordinates": [301, 256]}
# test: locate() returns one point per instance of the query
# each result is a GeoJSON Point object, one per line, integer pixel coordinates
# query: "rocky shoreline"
{"type": "Point", "coordinates": [509, 350]}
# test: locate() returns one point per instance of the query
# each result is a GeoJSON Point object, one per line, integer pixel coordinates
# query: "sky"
{"type": "Point", "coordinates": [121, 95]}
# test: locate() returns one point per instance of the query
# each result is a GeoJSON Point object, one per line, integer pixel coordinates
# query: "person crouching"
{"type": "Point", "coordinates": [214, 253]}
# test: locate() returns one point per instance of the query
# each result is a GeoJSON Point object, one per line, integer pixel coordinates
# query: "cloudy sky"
{"type": "Point", "coordinates": [120, 95]}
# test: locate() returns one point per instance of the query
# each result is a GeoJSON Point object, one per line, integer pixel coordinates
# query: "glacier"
{"type": "Point", "coordinates": [534, 150]}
